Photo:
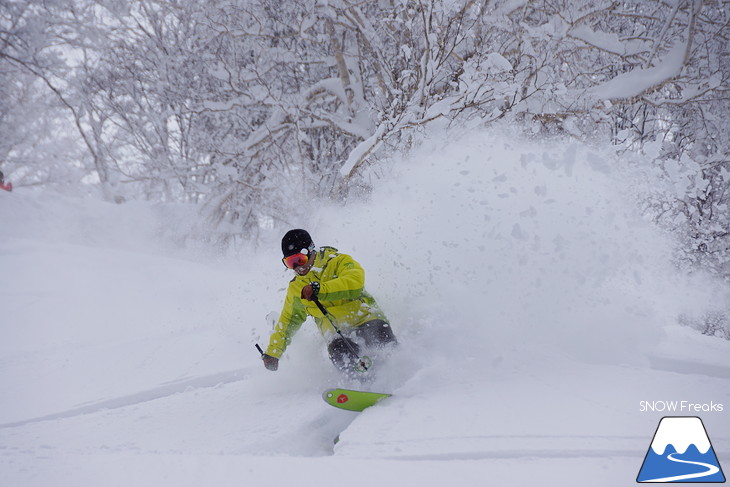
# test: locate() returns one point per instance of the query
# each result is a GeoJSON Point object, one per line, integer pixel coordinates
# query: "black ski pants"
{"type": "Point", "coordinates": [375, 334]}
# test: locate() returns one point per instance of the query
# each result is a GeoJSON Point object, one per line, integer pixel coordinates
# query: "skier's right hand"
{"type": "Point", "coordinates": [271, 363]}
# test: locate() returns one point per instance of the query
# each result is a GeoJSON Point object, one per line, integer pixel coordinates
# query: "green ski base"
{"type": "Point", "coordinates": [352, 400]}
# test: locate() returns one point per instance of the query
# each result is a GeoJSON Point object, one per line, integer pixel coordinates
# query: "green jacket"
{"type": "Point", "coordinates": [341, 292]}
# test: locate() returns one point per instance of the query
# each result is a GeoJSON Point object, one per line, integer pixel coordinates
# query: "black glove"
{"type": "Point", "coordinates": [271, 363]}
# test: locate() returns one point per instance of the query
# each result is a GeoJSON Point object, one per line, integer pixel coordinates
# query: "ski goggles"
{"type": "Point", "coordinates": [295, 260]}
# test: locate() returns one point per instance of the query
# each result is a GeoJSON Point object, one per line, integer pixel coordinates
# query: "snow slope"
{"type": "Point", "coordinates": [534, 308]}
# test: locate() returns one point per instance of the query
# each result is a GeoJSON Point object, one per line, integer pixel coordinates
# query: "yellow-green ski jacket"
{"type": "Point", "coordinates": [341, 291]}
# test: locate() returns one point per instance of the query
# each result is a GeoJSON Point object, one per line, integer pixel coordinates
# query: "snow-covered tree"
{"type": "Point", "coordinates": [253, 109]}
{"type": "Point", "coordinates": [36, 147]}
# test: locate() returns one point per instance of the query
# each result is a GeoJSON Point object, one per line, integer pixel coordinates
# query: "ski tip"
{"type": "Point", "coordinates": [352, 400]}
{"type": "Point", "coordinates": [338, 390]}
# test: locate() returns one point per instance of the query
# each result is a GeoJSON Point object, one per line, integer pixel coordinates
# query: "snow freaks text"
{"type": "Point", "coordinates": [679, 407]}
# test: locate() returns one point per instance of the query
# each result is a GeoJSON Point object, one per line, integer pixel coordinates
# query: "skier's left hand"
{"type": "Point", "coordinates": [271, 363]}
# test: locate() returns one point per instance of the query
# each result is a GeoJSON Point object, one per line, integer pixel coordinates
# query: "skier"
{"type": "Point", "coordinates": [3, 185]}
{"type": "Point", "coordinates": [337, 281]}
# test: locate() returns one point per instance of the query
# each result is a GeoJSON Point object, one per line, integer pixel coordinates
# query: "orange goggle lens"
{"type": "Point", "coordinates": [295, 260]}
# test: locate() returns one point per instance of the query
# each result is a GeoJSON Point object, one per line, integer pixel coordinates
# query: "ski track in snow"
{"type": "Point", "coordinates": [162, 391]}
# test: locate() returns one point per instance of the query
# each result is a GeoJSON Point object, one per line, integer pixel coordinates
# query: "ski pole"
{"type": "Point", "coordinates": [259, 349]}
{"type": "Point", "coordinates": [362, 362]}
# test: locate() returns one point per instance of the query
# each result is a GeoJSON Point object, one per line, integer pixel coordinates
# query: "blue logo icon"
{"type": "Point", "coordinates": [681, 452]}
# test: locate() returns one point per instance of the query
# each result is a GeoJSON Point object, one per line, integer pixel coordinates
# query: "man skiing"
{"type": "Point", "coordinates": [331, 282]}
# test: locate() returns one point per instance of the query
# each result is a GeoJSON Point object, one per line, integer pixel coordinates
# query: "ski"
{"type": "Point", "coordinates": [352, 400]}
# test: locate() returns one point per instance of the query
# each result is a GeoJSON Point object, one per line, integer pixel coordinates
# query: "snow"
{"type": "Point", "coordinates": [535, 310]}
{"type": "Point", "coordinates": [603, 40]}
{"type": "Point", "coordinates": [637, 81]}
{"type": "Point", "coordinates": [608, 42]}
{"type": "Point", "coordinates": [498, 62]}
{"type": "Point", "coordinates": [363, 148]}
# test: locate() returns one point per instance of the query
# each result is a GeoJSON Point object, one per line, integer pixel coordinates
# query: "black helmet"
{"type": "Point", "coordinates": [295, 241]}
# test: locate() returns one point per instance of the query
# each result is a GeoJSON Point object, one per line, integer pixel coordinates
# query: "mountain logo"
{"type": "Point", "coordinates": [681, 452]}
